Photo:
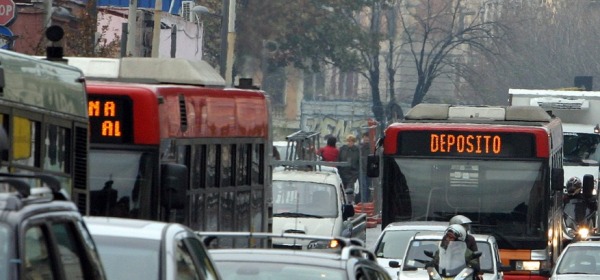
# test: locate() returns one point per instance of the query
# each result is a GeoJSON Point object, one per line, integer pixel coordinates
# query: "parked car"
{"type": "Point", "coordinates": [140, 249]}
{"type": "Point", "coordinates": [324, 258]}
{"type": "Point", "coordinates": [413, 266]}
{"type": "Point", "coordinates": [578, 260]}
{"type": "Point", "coordinates": [42, 234]}
{"type": "Point", "coordinates": [391, 243]}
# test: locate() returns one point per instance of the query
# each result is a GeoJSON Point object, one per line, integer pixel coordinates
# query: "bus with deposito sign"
{"type": "Point", "coordinates": [169, 142]}
{"type": "Point", "coordinates": [43, 110]}
{"type": "Point", "coordinates": [499, 166]}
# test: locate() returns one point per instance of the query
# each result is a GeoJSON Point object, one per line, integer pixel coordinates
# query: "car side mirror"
{"type": "Point", "coordinates": [428, 253]}
{"type": "Point", "coordinates": [394, 264]}
{"type": "Point", "coordinates": [545, 272]}
{"type": "Point", "coordinates": [347, 211]}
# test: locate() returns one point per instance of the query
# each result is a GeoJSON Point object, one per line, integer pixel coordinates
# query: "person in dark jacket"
{"type": "Point", "coordinates": [349, 153]}
{"type": "Point", "coordinates": [456, 233]}
{"type": "Point", "coordinates": [466, 224]}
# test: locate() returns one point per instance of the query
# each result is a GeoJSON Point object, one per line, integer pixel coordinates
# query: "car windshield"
{"type": "Point", "coordinates": [306, 198]}
{"type": "Point", "coordinates": [262, 270]}
{"type": "Point", "coordinates": [129, 258]}
{"type": "Point", "coordinates": [580, 260]}
{"type": "Point", "coordinates": [416, 257]}
{"type": "Point", "coordinates": [392, 244]}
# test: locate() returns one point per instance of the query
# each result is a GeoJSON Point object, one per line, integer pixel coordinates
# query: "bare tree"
{"type": "Point", "coordinates": [436, 31]}
{"type": "Point", "coordinates": [548, 46]}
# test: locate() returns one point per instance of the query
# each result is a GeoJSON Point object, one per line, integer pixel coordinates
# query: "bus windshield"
{"type": "Point", "coordinates": [504, 198]}
{"type": "Point", "coordinates": [121, 182]}
{"type": "Point", "coordinates": [580, 147]}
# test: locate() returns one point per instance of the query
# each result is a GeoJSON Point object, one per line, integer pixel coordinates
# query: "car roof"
{"type": "Point", "coordinates": [585, 244]}
{"type": "Point", "coordinates": [133, 228]}
{"type": "Point", "coordinates": [277, 256]}
{"type": "Point", "coordinates": [325, 177]}
{"type": "Point", "coordinates": [437, 235]}
{"type": "Point", "coordinates": [417, 225]}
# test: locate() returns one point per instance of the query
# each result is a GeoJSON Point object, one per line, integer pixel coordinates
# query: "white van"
{"type": "Point", "coordinates": [313, 202]}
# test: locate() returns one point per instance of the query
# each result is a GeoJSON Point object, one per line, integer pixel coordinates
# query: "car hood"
{"type": "Point", "coordinates": [385, 263]}
{"type": "Point", "coordinates": [574, 276]}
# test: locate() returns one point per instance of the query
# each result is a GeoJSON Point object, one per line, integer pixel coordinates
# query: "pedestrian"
{"type": "Point", "coordinates": [330, 152]}
{"type": "Point", "coordinates": [365, 181]}
{"type": "Point", "coordinates": [349, 153]}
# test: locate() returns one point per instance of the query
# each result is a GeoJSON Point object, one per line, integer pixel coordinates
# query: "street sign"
{"type": "Point", "coordinates": [8, 12]}
{"type": "Point", "coordinates": [6, 38]}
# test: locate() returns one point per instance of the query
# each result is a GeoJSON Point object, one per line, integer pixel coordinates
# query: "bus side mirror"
{"type": "Point", "coordinates": [173, 185]}
{"type": "Point", "coordinates": [373, 166]}
{"type": "Point", "coordinates": [558, 179]}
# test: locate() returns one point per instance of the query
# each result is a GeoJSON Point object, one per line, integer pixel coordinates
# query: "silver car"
{"type": "Point", "coordinates": [392, 241]}
{"type": "Point", "coordinates": [579, 260]}
{"type": "Point", "coordinates": [140, 249]}
{"type": "Point", "coordinates": [413, 266]}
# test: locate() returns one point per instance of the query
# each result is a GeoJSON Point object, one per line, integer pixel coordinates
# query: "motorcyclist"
{"type": "Point", "coordinates": [466, 223]}
{"type": "Point", "coordinates": [574, 187]}
{"type": "Point", "coordinates": [456, 232]}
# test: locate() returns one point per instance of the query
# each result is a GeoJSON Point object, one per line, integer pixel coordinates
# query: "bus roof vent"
{"type": "Point", "coordinates": [97, 67]}
{"type": "Point", "coordinates": [171, 70]}
{"type": "Point", "coordinates": [527, 113]}
{"type": "Point", "coordinates": [471, 112]}
{"type": "Point", "coordinates": [425, 111]}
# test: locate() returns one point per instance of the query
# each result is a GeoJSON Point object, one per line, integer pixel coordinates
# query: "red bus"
{"type": "Point", "coordinates": [499, 166]}
{"type": "Point", "coordinates": [168, 142]}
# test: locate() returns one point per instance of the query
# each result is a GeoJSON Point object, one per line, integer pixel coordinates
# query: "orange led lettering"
{"type": "Point", "coordinates": [109, 109]}
{"type": "Point", "coordinates": [94, 108]}
{"type": "Point", "coordinates": [434, 143]}
{"type": "Point", "coordinates": [472, 144]}
{"type": "Point", "coordinates": [110, 128]}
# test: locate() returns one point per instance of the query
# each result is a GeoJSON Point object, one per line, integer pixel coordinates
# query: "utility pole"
{"type": "Point", "coordinates": [227, 41]}
{"type": "Point", "coordinates": [131, 27]}
{"type": "Point", "coordinates": [156, 30]}
{"type": "Point", "coordinates": [230, 43]}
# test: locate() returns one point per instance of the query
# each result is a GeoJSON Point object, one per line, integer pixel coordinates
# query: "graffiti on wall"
{"type": "Point", "coordinates": [331, 125]}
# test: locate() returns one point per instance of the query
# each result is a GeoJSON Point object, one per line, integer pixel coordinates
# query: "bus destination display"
{"type": "Point", "coordinates": [110, 119]}
{"type": "Point", "coordinates": [466, 144]}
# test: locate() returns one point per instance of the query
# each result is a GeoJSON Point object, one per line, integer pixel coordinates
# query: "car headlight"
{"type": "Point", "coordinates": [583, 232]}
{"type": "Point", "coordinates": [571, 232]}
{"type": "Point", "coordinates": [527, 265]}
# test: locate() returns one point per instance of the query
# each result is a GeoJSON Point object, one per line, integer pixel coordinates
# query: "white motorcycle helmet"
{"type": "Point", "coordinates": [461, 220]}
{"type": "Point", "coordinates": [458, 231]}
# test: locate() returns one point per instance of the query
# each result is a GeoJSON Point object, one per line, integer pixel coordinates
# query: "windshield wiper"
{"type": "Point", "coordinates": [297, 215]}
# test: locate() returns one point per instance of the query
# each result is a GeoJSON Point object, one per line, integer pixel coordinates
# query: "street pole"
{"type": "Point", "coordinates": [48, 19]}
{"type": "Point", "coordinates": [156, 30]}
{"type": "Point", "coordinates": [223, 35]}
{"type": "Point", "coordinates": [230, 44]}
{"type": "Point", "coordinates": [131, 27]}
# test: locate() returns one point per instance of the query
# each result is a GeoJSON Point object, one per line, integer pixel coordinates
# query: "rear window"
{"type": "Point", "coordinates": [261, 270]}
{"type": "Point", "coordinates": [129, 258]}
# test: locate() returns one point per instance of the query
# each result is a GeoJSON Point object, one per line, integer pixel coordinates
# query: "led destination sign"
{"type": "Point", "coordinates": [110, 119]}
{"type": "Point", "coordinates": [468, 144]}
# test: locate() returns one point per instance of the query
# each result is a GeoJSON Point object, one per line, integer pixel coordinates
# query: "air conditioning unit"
{"type": "Point", "coordinates": [186, 10]}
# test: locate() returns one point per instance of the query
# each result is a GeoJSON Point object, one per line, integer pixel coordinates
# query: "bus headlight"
{"type": "Point", "coordinates": [527, 265]}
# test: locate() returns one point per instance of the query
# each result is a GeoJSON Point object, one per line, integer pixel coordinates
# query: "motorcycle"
{"type": "Point", "coordinates": [452, 264]}
{"type": "Point", "coordinates": [578, 220]}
